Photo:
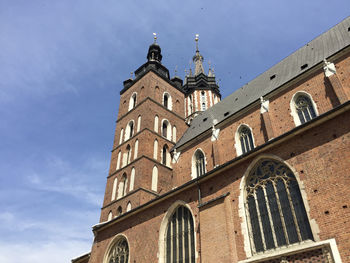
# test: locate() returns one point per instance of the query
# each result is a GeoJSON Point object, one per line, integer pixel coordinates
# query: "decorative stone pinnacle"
{"type": "Point", "coordinates": [329, 68]}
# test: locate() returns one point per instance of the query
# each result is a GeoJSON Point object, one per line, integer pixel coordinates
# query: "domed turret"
{"type": "Point", "coordinates": [154, 51]}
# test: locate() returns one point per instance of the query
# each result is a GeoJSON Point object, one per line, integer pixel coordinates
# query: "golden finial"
{"type": "Point", "coordinates": [196, 39]}
{"type": "Point", "coordinates": [155, 37]}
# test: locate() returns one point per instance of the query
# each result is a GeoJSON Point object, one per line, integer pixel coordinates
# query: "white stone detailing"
{"type": "Point", "coordinates": [118, 160]}
{"type": "Point", "coordinates": [264, 105]}
{"type": "Point", "coordinates": [121, 136]}
{"type": "Point", "coordinates": [132, 179]}
{"type": "Point", "coordinates": [156, 120]}
{"type": "Point", "coordinates": [138, 123]}
{"type": "Point", "coordinates": [176, 156]}
{"type": "Point", "coordinates": [293, 110]}
{"type": "Point", "coordinates": [114, 191]}
{"type": "Point", "coordinates": [215, 134]}
{"type": "Point", "coordinates": [136, 149]}
{"type": "Point", "coordinates": [155, 149]}
{"type": "Point", "coordinates": [155, 178]}
{"type": "Point", "coordinates": [298, 248]}
{"type": "Point", "coordinates": [195, 100]}
{"type": "Point", "coordinates": [329, 68]}
{"type": "Point", "coordinates": [128, 207]}
{"type": "Point", "coordinates": [210, 98]}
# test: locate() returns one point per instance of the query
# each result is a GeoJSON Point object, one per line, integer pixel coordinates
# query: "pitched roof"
{"type": "Point", "coordinates": [325, 45]}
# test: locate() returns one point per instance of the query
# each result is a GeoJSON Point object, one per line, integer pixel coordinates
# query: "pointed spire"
{"type": "Point", "coordinates": [210, 73]}
{"type": "Point", "coordinates": [198, 59]}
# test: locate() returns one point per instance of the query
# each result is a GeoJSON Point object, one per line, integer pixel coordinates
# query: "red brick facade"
{"type": "Point", "coordinates": [317, 152]}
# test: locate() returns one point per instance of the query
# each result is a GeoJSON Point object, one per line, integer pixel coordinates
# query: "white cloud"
{"type": "Point", "coordinates": [60, 176]}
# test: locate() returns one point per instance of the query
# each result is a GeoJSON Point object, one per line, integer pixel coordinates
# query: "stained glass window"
{"type": "Point", "coordinates": [120, 252]}
{"type": "Point", "coordinates": [246, 139]}
{"type": "Point", "coordinates": [304, 108]}
{"type": "Point", "coordinates": [180, 237]}
{"type": "Point", "coordinates": [275, 209]}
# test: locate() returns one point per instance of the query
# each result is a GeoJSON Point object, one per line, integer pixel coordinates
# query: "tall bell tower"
{"type": "Point", "coordinates": [150, 119]}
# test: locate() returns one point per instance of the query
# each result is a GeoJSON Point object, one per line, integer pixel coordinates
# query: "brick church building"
{"type": "Point", "coordinates": [260, 176]}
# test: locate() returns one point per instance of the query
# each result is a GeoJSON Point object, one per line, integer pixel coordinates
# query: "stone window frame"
{"type": "Point", "coordinates": [168, 129]}
{"type": "Point", "coordinates": [243, 215]}
{"type": "Point", "coordinates": [294, 110]}
{"type": "Point", "coordinates": [194, 173]}
{"type": "Point", "coordinates": [163, 230]}
{"type": "Point", "coordinates": [129, 130]}
{"type": "Point", "coordinates": [154, 182]}
{"type": "Point", "coordinates": [132, 101]}
{"type": "Point", "coordinates": [169, 100]}
{"type": "Point", "coordinates": [238, 144]}
{"type": "Point", "coordinates": [119, 237]}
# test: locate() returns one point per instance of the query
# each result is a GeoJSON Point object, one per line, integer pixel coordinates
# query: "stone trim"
{"type": "Point", "coordinates": [298, 248]}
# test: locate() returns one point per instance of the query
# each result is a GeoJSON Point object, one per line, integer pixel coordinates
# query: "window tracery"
{"type": "Point", "coordinates": [120, 252]}
{"type": "Point", "coordinates": [304, 108]}
{"type": "Point", "coordinates": [275, 209]}
{"type": "Point", "coordinates": [246, 139]}
{"type": "Point", "coordinates": [180, 244]}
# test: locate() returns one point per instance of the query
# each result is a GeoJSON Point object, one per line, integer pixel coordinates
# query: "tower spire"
{"type": "Point", "coordinates": [198, 59]}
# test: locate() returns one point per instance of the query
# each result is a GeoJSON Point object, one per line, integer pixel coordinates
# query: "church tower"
{"type": "Point", "coordinates": [201, 90]}
{"type": "Point", "coordinates": [150, 119]}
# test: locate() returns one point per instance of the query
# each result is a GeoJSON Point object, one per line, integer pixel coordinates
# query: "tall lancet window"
{"type": "Point", "coordinates": [275, 209]}
{"type": "Point", "coordinates": [165, 101]}
{"type": "Point", "coordinates": [246, 139]}
{"type": "Point", "coordinates": [165, 155]}
{"type": "Point", "coordinates": [304, 108]}
{"type": "Point", "coordinates": [180, 237]}
{"type": "Point", "coordinates": [199, 163]}
{"type": "Point", "coordinates": [203, 101]}
{"type": "Point", "coordinates": [132, 102]}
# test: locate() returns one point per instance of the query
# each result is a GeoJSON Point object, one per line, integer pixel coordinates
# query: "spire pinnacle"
{"type": "Point", "coordinates": [198, 59]}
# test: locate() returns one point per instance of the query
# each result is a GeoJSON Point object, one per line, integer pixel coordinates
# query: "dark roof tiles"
{"type": "Point", "coordinates": [311, 54]}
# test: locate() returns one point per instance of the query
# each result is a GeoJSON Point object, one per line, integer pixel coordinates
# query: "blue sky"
{"type": "Point", "coordinates": [62, 64]}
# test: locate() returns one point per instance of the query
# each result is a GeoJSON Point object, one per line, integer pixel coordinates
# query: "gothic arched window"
{"type": "Point", "coordinates": [199, 163]}
{"type": "Point", "coordinates": [276, 213]}
{"type": "Point", "coordinates": [245, 139]}
{"type": "Point", "coordinates": [165, 154]}
{"type": "Point", "coordinates": [119, 252]}
{"type": "Point", "coordinates": [304, 108]}
{"type": "Point", "coordinates": [165, 129]}
{"type": "Point", "coordinates": [179, 237]}
{"type": "Point", "coordinates": [132, 102]}
{"type": "Point", "coordinates": [119, 211]}
{"type": "Point", "coordinates": [131, 129]}
{"type": "Point", "coordinates": [128, 154]}
{"type": "Point", "coordinates": [167, 101]}
{"type": "Point", "coordinates": [124, 184]}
